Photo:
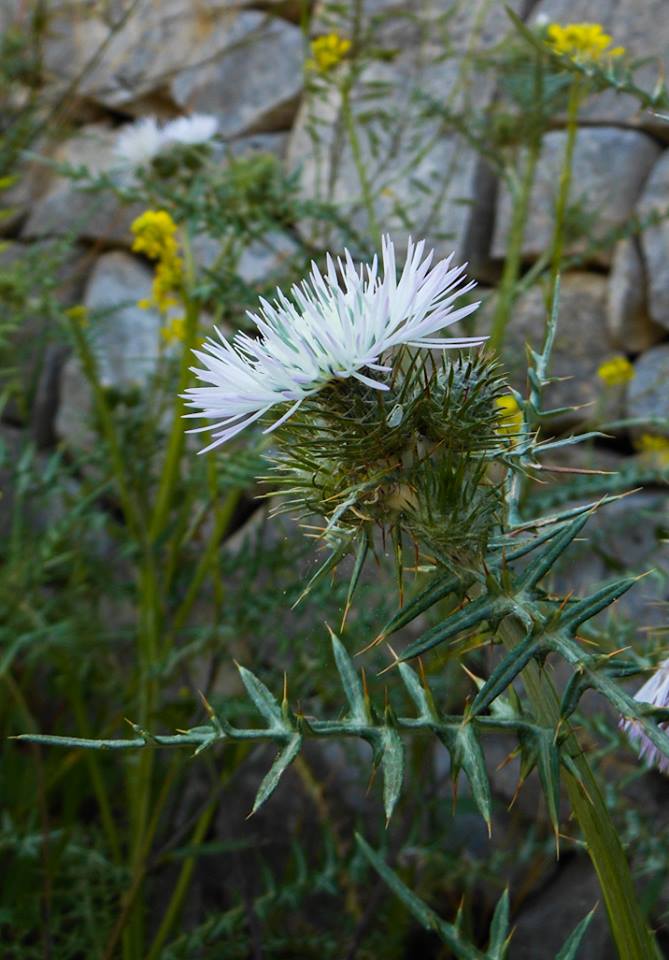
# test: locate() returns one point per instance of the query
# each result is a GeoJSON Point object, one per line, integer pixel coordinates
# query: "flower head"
{"type": "Point", "coordinates": [656, 448]}
{"type": "Point", "coordinates": [139, 143]}
{"type": "Point", "coordinates": [656, 692]}
{"type": "Point", "coordinates": [582, 42]}
{"type": "Point", "coordinates": [343, 324]}
{"type": "Point", "coordinates": [327, 52]}
{"type": "Point", "coordinates": [511, 416]}
{"type": "Point", "coordinates": [195, 130]}
{"type": "Point", "coordinates": [616, 371]}
{"type": "Point", "coordinates": [155, 236]}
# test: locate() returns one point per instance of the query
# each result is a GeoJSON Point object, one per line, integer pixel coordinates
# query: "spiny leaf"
{"type": "Point", "coordinates": [425, 916]}
{"type": "Point", "coordinates": [570, 947]}
{"type": "Point", "coordinates": [439, 588]}
{"type": "Point", "coordinates": [543, 563]}
{"type": "Point", "coordinates": [484, 608]}
{"type": "Point", "coordinates": [360, 557]}
{"type": "Point", "coordinates": [505, 673]}
{"type": "Point", "coordinates": [585, 609]}
{"type": "Point", "coordinates": [392, 764]}
{"type": "Point", "coordinates": [264, 701]}
{"type": "Point", "coordinates": [417, 692]}
{"type": "Point", "coordinates": [548, 765]}
{"type": "Point", "coordinates": [329, 564]}
{"type": "Point", "coordinates": [466, 754]}
{"type": "Point", "coordinates": [271, 779]}
{"type": "Point", "coordinates": [350, 681]}
{"type": "Point", "coordinates": [499, 929]}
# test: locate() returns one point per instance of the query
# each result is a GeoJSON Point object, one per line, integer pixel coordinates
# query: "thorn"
{"type": "Point", "coordinates": [390, 666]}
{"type": "Point", "coordinates": [375, 642]}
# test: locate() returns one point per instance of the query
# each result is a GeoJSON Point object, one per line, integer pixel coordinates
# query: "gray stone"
{"type": "Point", "coordinates": [647, 393]}
{"type": "Point", "coordinates": [628, 322]}
{"type": "Point", "coordinates": [581, 344]}
{"type": "Point", "coordinates": [126, 340]}
{"type": "Point", "coordinates": [544, 923]}
{"type": "Point", "coordinates": [421, 178]}
{"type": "Point", "coordinates": [608, 163]}
{"type": "Point", "coordinates": [655, 241]}
{"type": "Point", "coordinates": [267, 98]}
{"type": "Point", "coordinates": [136, 50]}
{"type": "Point", "coordinates": [65, 208]}
{"type": "Point", "coordinates": [642, 27]}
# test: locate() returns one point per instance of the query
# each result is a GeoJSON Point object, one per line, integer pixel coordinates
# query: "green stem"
{"type": "Point", "coordinates": [508, 292]}
{"type": "Point", "coordinates": [629, 929]}
{"type": "Point", "coordinates": [358, 160]}
{"type": "Point", "coordinates": [557, 245]}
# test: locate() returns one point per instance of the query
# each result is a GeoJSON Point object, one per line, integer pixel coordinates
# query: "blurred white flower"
{"type": "Point", "coordinates": [343, 324]}
{"type": "Point", "coordinates": [141, 142]}
{"type": "Point", "coordinates": [656, 692]}
{"type": "Point", "coordinates": [190, 131]}
{"type": "Point", "coordinates": [138, 143]}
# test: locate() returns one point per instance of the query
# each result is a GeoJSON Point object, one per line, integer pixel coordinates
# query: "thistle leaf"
{"type": "Point", "coordinates": [350, 681]}
{"type": "Point", "coordinates": [499, 929]}
{"type": "Point", "coordinates": [466, 754]}
{"type": "Point", "coordinates": [505, 673]}
{"type": "Point", "coordinates": [265, 702]}
{"type": "Point", "coordinates": [484, 608]}
{"type": "Point", "coordinates": [425, 916]}
{"type": "Point", "coordinates": [538, 569]}
{"type": "Point", "coordinates": [439, 588]}
{"type": "Point", "coordinates": [392, 764]}
{"type": "Point", "coordinates": [271, 780]}
{"type": "Point", "coordinates": [548, 765]}
{"type": "Point", "coordinates": [570, 947]}
{"type": "Point", "coordinates": [585, 609]}
{"type": "Point", "coordinates": [417, 692]}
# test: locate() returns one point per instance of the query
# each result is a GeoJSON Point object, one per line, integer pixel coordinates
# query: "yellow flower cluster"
{"type": "Point", "coordinates": [657, 448]}
{"type": "Point", "coordinates": [174, 331]}
{"type": "Point", "coordinates": [582, 41]}
{"type": "Point", "coordinates": [155, 236]}
{"type": "Point", "coordinates": [327, 52]}
{"type": "Point", "coordinates": [616, 371]}
{"type": "Point", "coordinates": [511, 416]}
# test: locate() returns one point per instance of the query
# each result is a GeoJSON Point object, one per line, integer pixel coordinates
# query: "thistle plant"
{"type": "Point", "coordinates": [379, 427]}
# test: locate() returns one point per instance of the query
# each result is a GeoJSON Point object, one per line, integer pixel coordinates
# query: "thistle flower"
{"type": "Point", "coordinates": [655, 692]}
{"type": "Point", "coordinates": [582, 42]}
{"type": "Point", "coordinates": [344, 324]}
{"type": "Point", "coordinates": [191, 131]}
{"type": "Point", "coordinates": [139, 143]}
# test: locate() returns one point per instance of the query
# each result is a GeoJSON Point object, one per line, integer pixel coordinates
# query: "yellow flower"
{"type": "Point", "coordinates": [174, 331]}
{"type": "Point", "coordinates": [656, 448]}
{"type": "Point", "coordinates": [155, 234]}
{"type": "Point", "coordinates": [327, 52]}
{"type": "Point", "coordinates": [511, 416]}
{"type": "Point", "coordinates": [616, 371]}
{"type": "Point", "coordinates": [582, 41]}
{"type": "Point", "coordinates": [78, 313]}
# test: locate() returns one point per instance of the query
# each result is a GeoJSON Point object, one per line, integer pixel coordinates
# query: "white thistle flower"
{"type": "Point", "coordinates": [141, 142]}
{"type": "Point", "coordinates": [343, 324]}
{"type": "Point", "coordinates": [138, 143]}
{"type": "Point", "coordinates": [656, 692]}
{"type": "Point", "coordinates": [197, 129]}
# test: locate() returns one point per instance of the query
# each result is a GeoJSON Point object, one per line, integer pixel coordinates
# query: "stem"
{"type": "Point", "coordinates": [508, 291]}
{"type": "Point", "coordinates": [557, 244]}
{"type": "Point", "coordinates": [632, 937]}
{"type": "Point", "coordinates": [358, 160]}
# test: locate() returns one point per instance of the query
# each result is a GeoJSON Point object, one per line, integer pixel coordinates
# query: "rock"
{"type": "Point", "coordinates": [655, 241]}
{"type": "Point", "coordinates": [65, 208]}
{"type": "Point", "coordinates": [126, 340]}
{"type": "Point", "coordinates": [275, 143]}
{"type": "Point", "coordinates": [642, 27]}
{"type": "Point", "coordinates": [267, 99]}
{"type": "Point", "coordinates": [420, 176]}
{"type": "Point", "coordinates": [581, 344]}
{"type": "Point", "coordinates": [647, 394]}
{"type": "Point", "coordinates": [543, 924]}
{"type": "Point", "coordinates": [607, 163]}
{"type": "Point", "coordinates": [629, 325]}
{"type": "Point", "coordinates": [134, 51]}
